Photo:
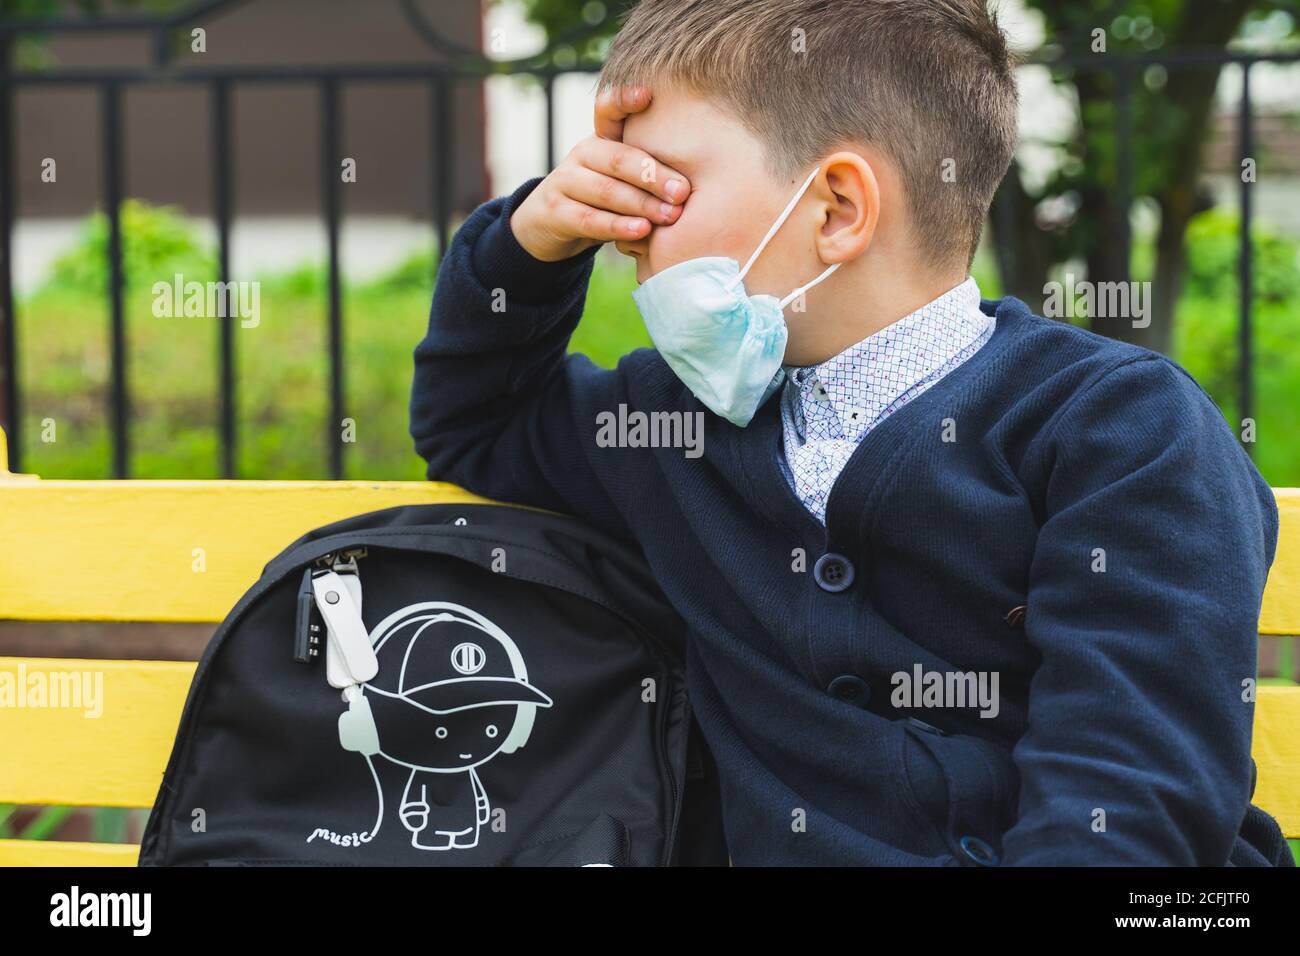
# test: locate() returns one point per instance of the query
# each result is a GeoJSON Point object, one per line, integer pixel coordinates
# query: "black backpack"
{"type": "Point", "coordinates": [443, 685]}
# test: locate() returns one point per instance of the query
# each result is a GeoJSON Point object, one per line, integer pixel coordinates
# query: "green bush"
{"type": "Point", "coordinates": [157, 243]}
{"type": "Point", "coordinates": [1206, 334]}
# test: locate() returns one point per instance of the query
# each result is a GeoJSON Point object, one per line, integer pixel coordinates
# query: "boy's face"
{"type": "Point", "coordinates": [733, 201]}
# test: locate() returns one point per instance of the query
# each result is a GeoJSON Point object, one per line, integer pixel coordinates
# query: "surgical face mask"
{"type": "Point", "coordinates": [723, 343]}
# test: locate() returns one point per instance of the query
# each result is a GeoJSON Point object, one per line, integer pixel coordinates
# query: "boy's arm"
{"type": "Point", "coordinates": [1138, 748]}
{"type": "Point", "coordinates": [495, 405]}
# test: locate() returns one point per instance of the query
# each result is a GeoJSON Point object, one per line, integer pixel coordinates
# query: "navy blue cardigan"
{"type": "Point", "coordinates": [1089, 482]}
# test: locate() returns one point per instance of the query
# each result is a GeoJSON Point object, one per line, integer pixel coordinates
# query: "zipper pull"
{"type": "Point", "coordinates": [309, 626]}
{"type": "Point", "coordinates": [344, 564]}
{"type": "Point", "coordinates": [349, 657]}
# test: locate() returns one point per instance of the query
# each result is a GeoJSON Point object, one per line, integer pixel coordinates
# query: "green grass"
{"type": "Point", "coordinates": [282, 377]}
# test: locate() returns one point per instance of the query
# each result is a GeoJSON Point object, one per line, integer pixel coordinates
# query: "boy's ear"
{"type": "Point", "coordinates": [848, 187]}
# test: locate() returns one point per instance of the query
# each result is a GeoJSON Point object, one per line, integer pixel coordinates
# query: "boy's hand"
{"type": "Point", "coordinates": [602, 191]}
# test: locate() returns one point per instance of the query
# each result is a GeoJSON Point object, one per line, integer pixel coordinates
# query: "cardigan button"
{"type": "Point", "coordinates": [979, 851]}
{"type": "Point", "coordinates": [833, 572]}
{"type": "Point", "coordinates": [850, 688]}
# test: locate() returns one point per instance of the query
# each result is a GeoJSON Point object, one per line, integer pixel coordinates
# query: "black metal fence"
{"type": "Point", "coordinates": [440, 78]}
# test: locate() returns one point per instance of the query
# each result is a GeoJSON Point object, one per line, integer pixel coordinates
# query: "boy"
{"type": "Point", "coordinates": [965, 586]}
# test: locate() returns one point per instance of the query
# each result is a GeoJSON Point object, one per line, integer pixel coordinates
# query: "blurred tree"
{"type": "Point", "coordinates": [29, 48]}
{"type": "Point", "coordinates": [1077, 213]}
{"type": "Point", "coordinates": [590, 24]}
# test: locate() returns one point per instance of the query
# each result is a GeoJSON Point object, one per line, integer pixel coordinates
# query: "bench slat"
{"type": "Point", "coordinates": [1281, 613]}
{"type": "Point", "coordinates": [60, 757]}
{"type": "Point", "coordinates": [1276, 749]}
{"type": "Point", "coordinates": [125, 550]}
{"type": "Point", "coordinates": [54, 853]}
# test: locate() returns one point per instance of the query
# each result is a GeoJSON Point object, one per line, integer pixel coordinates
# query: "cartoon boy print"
{"type": "Point", "coordinates": [453, 808]}
{"type": "Point", "coordinates": [452, 692]}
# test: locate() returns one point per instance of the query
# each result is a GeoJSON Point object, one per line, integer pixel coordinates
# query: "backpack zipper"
{"type": "Point", "coordinates": [329, 615]}
{"type": "Point", "coordinates": [310, 631]}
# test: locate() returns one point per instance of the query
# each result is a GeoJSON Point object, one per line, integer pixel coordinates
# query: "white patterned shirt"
{"type": "Point", "coordinates": [826, 409]}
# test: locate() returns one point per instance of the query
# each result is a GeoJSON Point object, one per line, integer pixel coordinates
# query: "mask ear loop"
{"type": "Point", "coordinates": [780, 220]}
{"type": "Point", "coordinates": [804, 288]}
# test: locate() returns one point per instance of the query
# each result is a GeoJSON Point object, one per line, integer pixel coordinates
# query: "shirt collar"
{"type": "Point", "coordinates": [864, 380]}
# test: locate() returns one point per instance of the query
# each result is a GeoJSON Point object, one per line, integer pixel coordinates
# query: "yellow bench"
{"type": "Point", "coordinates": [187, 550]}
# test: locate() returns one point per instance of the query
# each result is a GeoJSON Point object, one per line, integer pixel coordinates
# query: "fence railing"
{"type": "Point", "coordinates": [441, 79]}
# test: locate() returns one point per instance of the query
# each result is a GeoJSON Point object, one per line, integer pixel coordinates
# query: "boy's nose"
{"type": "Point", "coordinates": [639, 252]}
{"type": "Point", "coordinates": [634, 248]}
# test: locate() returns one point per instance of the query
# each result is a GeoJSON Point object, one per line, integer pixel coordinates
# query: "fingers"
{"type": "Point", "coordinates": [578, 219]}
{"type": "Point", "coordinates": [592, 188]}
{"type": "Point", "coordinates": [603, 191]}
{"type": "Point", "coordinates": [615, 105]}
{"type": "Point", "coordinates": [634, 166]}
